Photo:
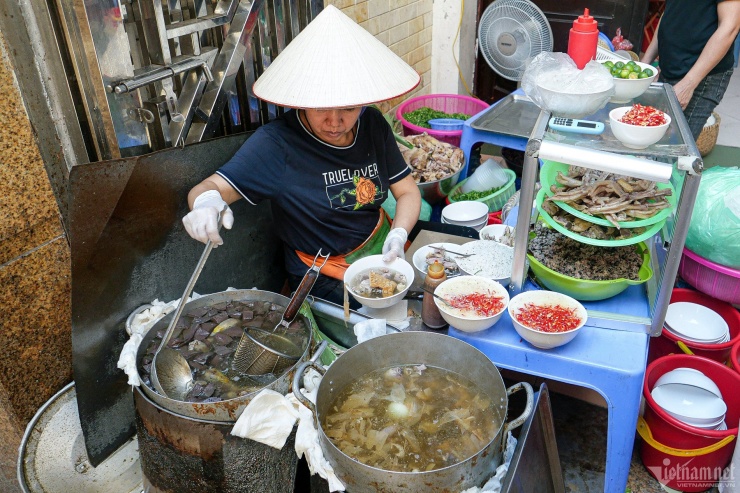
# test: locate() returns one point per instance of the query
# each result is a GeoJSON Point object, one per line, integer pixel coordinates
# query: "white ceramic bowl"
{"type": "Point", "coordinates": [420, 256]}
{"type": "Point", "coordinates": [696, 322]}
{"type": "Point", "coordinates": [566, 104]}
{"type": "Point", "coordinates": [539, 339]}
{"type": "Point", "coordinates": [689, 376]}
{"type": "Point", "coordinates": [465, 213]}
{"type": "Point", "coordinates": [376, 261]}
{"type": "Point", "coordinates": [635, 136]}
{"type": "Point", "coordinates": [692, 405]}
{"type": "Point", "coordinates": [627, 89]}
{"type": "Point", "coordinates": [494, 232]}
{"type": "Point", "coordinates": [466, 320]}
{"type": "Point", "coordinates": [490, 259]}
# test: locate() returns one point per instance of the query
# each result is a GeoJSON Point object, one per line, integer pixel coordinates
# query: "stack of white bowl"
{"type": "Point", "coordinates": [696, 323]}
{"type": "Point", "coordinates": [692, 397]}
{"type": "Point", "coordinates": [469, 213]}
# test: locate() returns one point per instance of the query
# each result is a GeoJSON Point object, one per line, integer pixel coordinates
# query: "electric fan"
{"type": "Point", "coordinates": [510, 33]}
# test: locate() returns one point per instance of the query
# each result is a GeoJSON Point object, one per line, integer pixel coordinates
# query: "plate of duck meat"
{"type": "Point", "coordinates": [607, 199]}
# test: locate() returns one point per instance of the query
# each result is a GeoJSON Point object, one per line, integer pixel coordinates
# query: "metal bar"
{"type": "Point", "coordinates": [154, 74]}
{"type": "Point", "coordinates": [153, 27]}
{"type": "Point", "coordinates": [606, 161]}
{"type": "Point", "coordinates": [526, 197]}
{"type": "Point", "coordinates": [224, 70]}
{"type": "Point", "coordinates": [222, 14]}
{"type": "Point", "coordinates": [192, 89]}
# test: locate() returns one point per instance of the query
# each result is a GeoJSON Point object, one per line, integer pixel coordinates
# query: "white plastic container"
{"type": "Point", "coordinates": [488, 175]}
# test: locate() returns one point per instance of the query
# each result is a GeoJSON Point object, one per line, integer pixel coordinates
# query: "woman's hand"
{"type": "Point", "coordinates": [394, 243]}
{"type": "Point", "coordinates": [202, 222]}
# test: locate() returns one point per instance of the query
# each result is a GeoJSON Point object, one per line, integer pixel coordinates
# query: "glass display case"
{"type": "Point", "coordinates": [674, 159]}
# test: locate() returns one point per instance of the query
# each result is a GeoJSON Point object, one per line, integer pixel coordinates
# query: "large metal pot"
{"type": "Point", "coordinates": [405, 348]}
{"type": "Point", "coordinates": [226, 410]}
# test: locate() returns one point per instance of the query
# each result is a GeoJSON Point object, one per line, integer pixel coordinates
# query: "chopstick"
{"type": "Point", "coordinates": [450, 251]}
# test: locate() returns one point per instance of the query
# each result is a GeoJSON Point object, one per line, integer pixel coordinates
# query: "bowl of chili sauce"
{"type": "Point", "coordinates": [471, 303]}
{"type": "Point", "coordinates": [638, 126]}
{"type": "Point", "coordinates": [546, 319]}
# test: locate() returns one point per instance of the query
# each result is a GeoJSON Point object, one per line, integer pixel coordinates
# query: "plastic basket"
{"type": "Point", "coordinates": [447, 103]}
{"type": "Point", "coordinates": [494, 201]}
{"type": "Point", "coordinates": [708, 136]}
{"type": "Point", "coordinates": [718, 281]}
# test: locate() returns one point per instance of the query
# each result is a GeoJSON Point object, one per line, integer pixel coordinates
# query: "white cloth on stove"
{"type": "Point", "coordinates": [269, 419]}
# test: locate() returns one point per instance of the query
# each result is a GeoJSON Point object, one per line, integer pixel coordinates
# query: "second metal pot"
{"type": "Point", "coordinates": [405, 348]}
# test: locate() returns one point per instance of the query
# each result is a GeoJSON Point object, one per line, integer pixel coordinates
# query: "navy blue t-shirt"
{"type": "Point", "coordinates": [685, 28]}
{"type": "Point", "coordinates": [323, 196]}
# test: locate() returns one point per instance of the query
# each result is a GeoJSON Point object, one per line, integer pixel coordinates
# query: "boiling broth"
{"type": "Point", "coordinates": [412, 418]}
{"type": "Point", "coordinates": [378, 282]}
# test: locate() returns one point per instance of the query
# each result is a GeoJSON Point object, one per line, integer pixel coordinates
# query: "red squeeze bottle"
{"type": "Point", "coordinates": [583, 39]}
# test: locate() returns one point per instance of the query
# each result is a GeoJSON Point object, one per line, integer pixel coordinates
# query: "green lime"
{"type": "Point", "coordinates": [648, 72]}
{"type": "Point", "coordinates": [631, 63]}
{"type": "Point", "coordinates": [624, 74]}
{"type": "Point", "coordinates": [643, 75]}
{"type": "Point", "coordinates": [609, 63]}
{"type": "Point", "coordinates": [634, 75]}
{"type": "Point", "coordinates": [619, 64]}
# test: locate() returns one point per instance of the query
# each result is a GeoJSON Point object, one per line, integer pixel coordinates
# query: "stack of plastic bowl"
{"type": "Point", "coordinates": [696, 323]}
{"type": "Point", "coordinates": [691, 397]}
{"type": "Point", "coordinates": [466, 213]}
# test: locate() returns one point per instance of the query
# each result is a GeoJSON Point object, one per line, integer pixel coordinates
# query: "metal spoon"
{"type": "Point", "coordinates": [438, 297]}
{"type": "Point", "coordinates": [170, 372]}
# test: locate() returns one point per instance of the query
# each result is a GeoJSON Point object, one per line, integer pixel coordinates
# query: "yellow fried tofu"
{"type": "Point", "coordinates": [384, 284]}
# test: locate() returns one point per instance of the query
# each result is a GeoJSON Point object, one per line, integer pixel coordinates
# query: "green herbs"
{"type": "Point", "coordinates": [421, 116]}
{"type": "Point", "coordinates": [474, 195]}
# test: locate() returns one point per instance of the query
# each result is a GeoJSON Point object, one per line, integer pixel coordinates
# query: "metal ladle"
{"type": "Point", "coordinates": [170, 372]}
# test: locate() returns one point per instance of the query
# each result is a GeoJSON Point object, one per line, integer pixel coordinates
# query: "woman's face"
{"type": "Point", "coordinates": [333, 126]}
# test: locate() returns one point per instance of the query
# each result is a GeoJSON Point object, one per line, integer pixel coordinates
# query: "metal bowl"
{"type": "Point", "coordinates": [436, 191]}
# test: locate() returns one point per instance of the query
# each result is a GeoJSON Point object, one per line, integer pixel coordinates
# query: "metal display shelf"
{"type": "Point", "coordinates": [674, 158]}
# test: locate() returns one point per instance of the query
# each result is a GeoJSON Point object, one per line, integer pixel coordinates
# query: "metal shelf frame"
{"type": "Point", "coordinates": [659, 162]}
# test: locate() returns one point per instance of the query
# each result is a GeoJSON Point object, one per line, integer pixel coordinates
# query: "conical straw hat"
{"type": "Point", "coordinates": [334, 63]}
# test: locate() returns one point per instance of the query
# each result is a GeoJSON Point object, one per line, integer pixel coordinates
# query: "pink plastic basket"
{"type": "Point", "coordinates": [718, 281]}
{"type": "Point", "coordinates": [448, 103]}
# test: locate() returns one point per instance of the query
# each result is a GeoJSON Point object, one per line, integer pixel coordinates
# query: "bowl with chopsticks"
{"type": "Point", "coordinates": [471, 303]}
{"type": "Point", "coordinates": [546, 319]}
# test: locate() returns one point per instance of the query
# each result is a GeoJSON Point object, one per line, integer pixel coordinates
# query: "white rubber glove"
{"type": "Point", "coordinates": [202, 222]}
{"type": "Point", "coordinates": [394, 243]}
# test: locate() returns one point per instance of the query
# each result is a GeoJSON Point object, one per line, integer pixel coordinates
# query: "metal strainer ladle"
{"type": "Point", "coordinates": [170, 372]}
{"type": "Point", "coordinates": [260, 351]}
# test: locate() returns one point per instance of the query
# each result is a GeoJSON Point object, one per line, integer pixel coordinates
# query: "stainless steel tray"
{"type": "Point", "coordinates": [514, 115]}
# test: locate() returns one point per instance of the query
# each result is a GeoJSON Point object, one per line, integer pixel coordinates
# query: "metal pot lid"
{"type": "Point", "coordinates": [52, 456]}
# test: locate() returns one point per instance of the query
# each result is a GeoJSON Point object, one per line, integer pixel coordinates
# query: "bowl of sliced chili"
{"type": "Point", "coordinates": [471, 303]}
{"type": "Point", "coordinates": [638, 126]}
{"type": "Point", "coordinates": [546, 319]}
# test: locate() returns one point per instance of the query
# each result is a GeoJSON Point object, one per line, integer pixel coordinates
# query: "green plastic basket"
{"type": "Point", "coordinates": [494, 201]}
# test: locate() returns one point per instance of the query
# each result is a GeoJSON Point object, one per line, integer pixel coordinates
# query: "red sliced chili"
{"type": "Point", "coordinates": [482, 304]}
{"type": "Point", "coordinates": [644, 116]}
{"type": "Point", "coordinates": [548, 318]}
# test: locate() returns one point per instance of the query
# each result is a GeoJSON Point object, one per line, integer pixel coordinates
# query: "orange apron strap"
{"type": "Point", "coordinates": [336, 265]}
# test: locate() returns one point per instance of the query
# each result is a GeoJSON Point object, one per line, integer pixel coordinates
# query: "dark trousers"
{"type": "Point", "coordinates": [707, 96]}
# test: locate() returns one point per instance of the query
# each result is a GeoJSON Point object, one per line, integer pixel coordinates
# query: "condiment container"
{"type": "Point", "coordinates": [583, 39]}
{"type": "Point", "coordinates": [429, 312]}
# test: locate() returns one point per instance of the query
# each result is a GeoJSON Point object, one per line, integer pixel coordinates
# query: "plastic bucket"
{"type": "Point", "coordinates": [735, 357]}
{"type": "Point", "coordinates": [680, 456]}
{"type": "Point", "coordinates": [668, 342]}
{"type": "Point", "coordinates": [446, 124]}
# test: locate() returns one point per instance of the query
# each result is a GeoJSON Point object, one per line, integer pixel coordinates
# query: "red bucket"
{"type": "Point", "coordinates": [735, 357]}
{"type": "Point", "coordinates": [667, 343]}
{"type": "Point", "coordinates": [699, 455]}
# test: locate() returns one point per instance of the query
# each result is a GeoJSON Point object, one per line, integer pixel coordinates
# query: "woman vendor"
{"type": "Point", "coordinates": [328, 163]}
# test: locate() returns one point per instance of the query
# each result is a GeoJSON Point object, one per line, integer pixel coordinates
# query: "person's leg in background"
{"type": "Point", "coordinates": [737, 50]}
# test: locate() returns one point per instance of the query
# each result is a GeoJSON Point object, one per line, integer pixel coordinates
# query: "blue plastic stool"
{"type": "Point", "coordinates": [611, 362]}
{"type": "Point", "coordinates": [471, 137]}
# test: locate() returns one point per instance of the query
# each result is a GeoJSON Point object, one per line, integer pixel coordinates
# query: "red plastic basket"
{"type": "Point", "coordinates": [448, 103]}
{"type": "Point", "coordinates": [718, 281]}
